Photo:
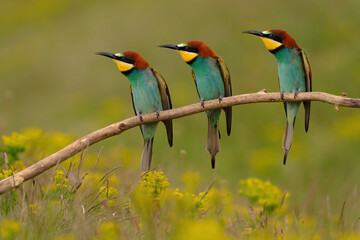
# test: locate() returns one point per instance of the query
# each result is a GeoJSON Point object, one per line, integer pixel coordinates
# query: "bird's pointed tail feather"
{"type": "Point", "coordinates": [287, 139]}
{"type": "Point", "coordinates": [146, 155]}
{"type": "Point", "coordinates": [213, 141]}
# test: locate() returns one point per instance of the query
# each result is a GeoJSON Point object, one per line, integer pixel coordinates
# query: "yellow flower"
{"type": "Point", "coordinates": [9, 229]}
{"type": "Point", "coordinates": [14, 144]}
{"type": "Point", "coordinates": [34, 136]}
{"type": "Point", "coordinates": [61, 186]}
{"type": "Point", "coordinates": [39, 141]}
{"type": "Point", "coordinates": [15, 140]}
{"type": "Point", "coordinates": [154, 183]}
{"type": "Point", "coordinates": [261, 193]}
{"type": "Point", "coordinates": [35, 208]}
{"type": "Point", "coordinates": [6, 173]}
{"type": "Point", "coordinates": [199, 202]}
{"type": "Point", "coordinates": [177, 193]}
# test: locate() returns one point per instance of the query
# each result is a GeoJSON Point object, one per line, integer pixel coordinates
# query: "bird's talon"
{"type": "Point", "coordinates": [141, 118]}
{"type": "Point", "coordinates": [220, 99]}
{"type": "Point", "coordinates": [157, 114]}
{"type": "Point", "coordinates": [202, 103]}
{"type": "Point", "coordinates": [296, 94]}
{"type": "Point", "coordinates": [282, 95]}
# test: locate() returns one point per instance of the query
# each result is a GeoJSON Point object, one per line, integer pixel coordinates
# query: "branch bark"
{"type": "Point", "coordinates": [119, 127]}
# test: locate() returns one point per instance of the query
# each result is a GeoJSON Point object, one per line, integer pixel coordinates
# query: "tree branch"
{"type": "Point", "coordinates": [119, 127]}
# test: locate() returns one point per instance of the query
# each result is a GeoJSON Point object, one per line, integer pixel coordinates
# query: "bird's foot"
{"type": "Point", "coordinates": [296, 93]}
{"type": "Point", "coordinates": [140, 117]}
{"type": "Point", "coordinates": [157, 113]}
{"type": "Point", "coordinates": [220, 99]}
{"type": "Point", "coordinates": [202, 102]}
{"type": "Point", "coordinates": [282, 95]}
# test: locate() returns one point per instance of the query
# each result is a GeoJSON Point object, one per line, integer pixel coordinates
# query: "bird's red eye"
{"type": "Point", "coordinates": [186, 48]}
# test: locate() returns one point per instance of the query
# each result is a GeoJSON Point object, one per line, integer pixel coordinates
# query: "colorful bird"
{"type": "Point", "coordinates": [149, 93]}
{"type": "Point", "coordinates": [294, 76]}
{"type": "Point", "coordinates": [212, 80]}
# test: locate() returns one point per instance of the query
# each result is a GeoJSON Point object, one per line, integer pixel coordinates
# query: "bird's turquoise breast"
{"type": "Point", "coordinates": [208, 78]}
{"type": "Point", "coordinates": [291, 70]}
{"type": "Point", "coordinates": [146, 96]}
{"type": "Point", "coordinates": [209, 83]}
{"type": "Point", "coordinates": [291, 78]}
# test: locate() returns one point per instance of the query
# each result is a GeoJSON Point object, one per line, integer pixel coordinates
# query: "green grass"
{"type": "Point", "coordinates": [87, 198]}
{"type": "Point", "coordinates": [51, 79]}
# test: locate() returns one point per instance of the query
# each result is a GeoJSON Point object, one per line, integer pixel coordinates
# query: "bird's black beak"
{"type": "Point", "coordinates": [254, 32]}
{"type": "Point", "coordinates": [106, 54]}
{"type": "Point", "coordinates": [171, 46]}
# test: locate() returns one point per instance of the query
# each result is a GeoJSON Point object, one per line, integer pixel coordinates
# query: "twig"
{"type": "Point", "coordinates": [119, 127]}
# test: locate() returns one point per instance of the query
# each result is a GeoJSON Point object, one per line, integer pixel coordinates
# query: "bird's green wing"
{"type": "Point", "coordinates": [225, 74]}
{"type": "Point", "coordinates": [308, 81]}
{"type": "Point", "coordinates": [166, 103]}
{"type": "Point", "coordinates": [132, 101]}
{"type": "Point", "coordinates": [194, 77]}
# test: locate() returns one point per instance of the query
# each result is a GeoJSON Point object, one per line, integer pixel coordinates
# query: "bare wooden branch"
{"type": "Point", "coordinates": [119, 127]}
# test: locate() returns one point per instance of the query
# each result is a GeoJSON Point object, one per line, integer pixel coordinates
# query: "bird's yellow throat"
{"type": "Point", "coordinates": [270, 44]}
{"type": "Point", "coordinates": [123, 67]}
{"type": "Point", "coordinates": [187, 56]}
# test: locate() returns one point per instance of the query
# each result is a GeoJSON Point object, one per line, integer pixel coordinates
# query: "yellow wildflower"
{"type": "Point", "coordinates": [34, 137]}
{"type": "Point", "coordinates": [15, 140]}
{"type": "Point", "coordinates": [199, 202]}
{"type": "Point", "coordinates": [34, 209]}
{"type": "Point", "coordinates": [177, 193]}
{"type": "Point", "coordinates": [9, 229]}
{"type": "Point", "coordinates": [15, 144]}
{"type": "Point", "coordinates": [61, 186]}
{"type": "Point", "coordinates": [154, 183]}
{"type": "Point", "coordinates": [6, 173]}
{"type": "Point", "coordinates": [261, 193]}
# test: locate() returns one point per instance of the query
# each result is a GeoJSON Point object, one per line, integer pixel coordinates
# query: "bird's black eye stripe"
{"type": "Point", "coordinates": [125, 59]}
{"type": "Point", "coordinates": [275, 38]}
{"type": "Point", "coordinates": [188, 49]}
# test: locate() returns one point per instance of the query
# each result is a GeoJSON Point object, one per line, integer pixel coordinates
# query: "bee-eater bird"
{"type": "Point", "coordinates": [212, 80]}
{"type": "Point", "coordinates": [294, 76]}
{"type": "Point", "coordinates": [149, 93]}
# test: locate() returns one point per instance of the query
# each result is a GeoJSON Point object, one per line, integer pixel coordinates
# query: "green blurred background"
{"type": "Point", "coordinates": [51, 79]}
